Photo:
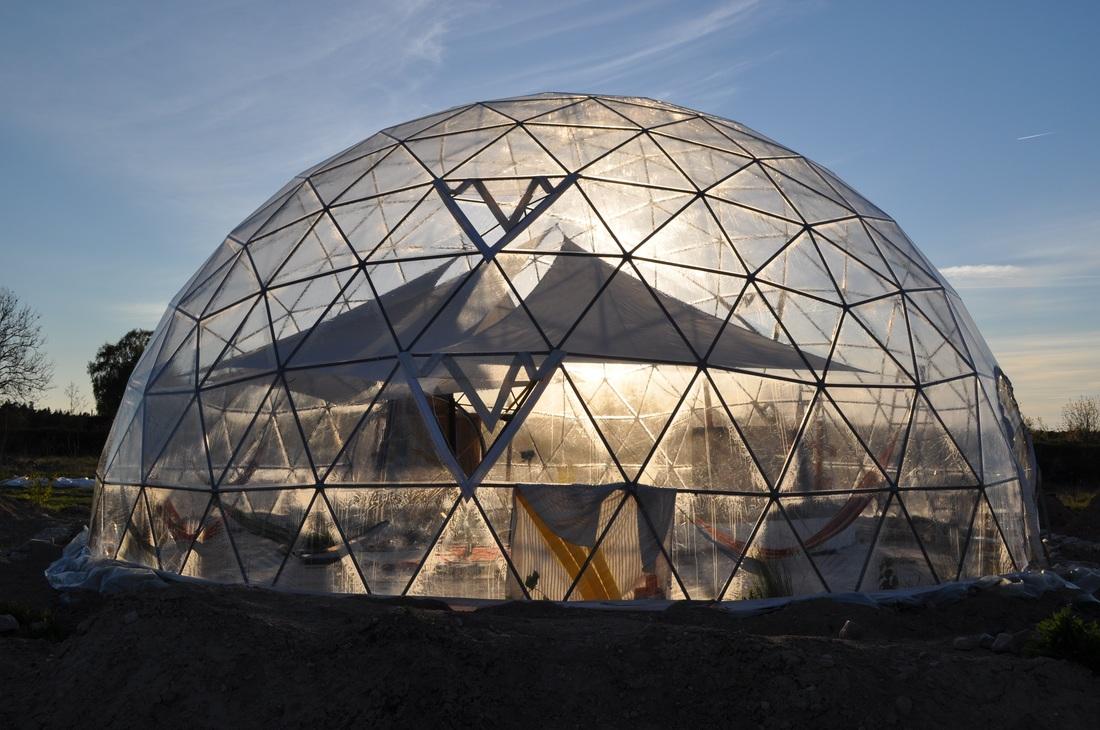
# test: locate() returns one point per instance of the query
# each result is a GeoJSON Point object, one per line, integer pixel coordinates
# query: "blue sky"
{"type": "Point", "coordinates": [134, 135]}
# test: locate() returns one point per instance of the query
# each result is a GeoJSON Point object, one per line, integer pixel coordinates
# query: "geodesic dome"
{"type": "Point", "coordinates": [568, 347]}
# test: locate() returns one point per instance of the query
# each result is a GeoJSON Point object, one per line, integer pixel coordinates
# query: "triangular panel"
{"type": "Point", "coordinates": [182, 461]}
{"type": "Point", "coordinates": [466, 561]}
{"type": "Point", "coordinates": [701, 448]}
{"type": "Point", "coordinates": [272, 451]}
{"type": "Point", "coordinates": [484, 316]}
{"type": "Point", "coordinates": [692, 238]}
{"type": "Point", "coordinates": [228, 412]}
{"type": "Point", "coordinates": [398, 171]}
{"type": "Point", "coordinates": [392, 444]}
{"type": "Point", "coordinates": [633, 212]}
{"type": "Point", "coordinates": [956, 406]}
{"type": "Point", "coordinates": [628, 322]}
{"type": "Point", "coordinates": [353, 328]}
{"type": "Point", "coordinates": [897, 560]}
{"type": "Point", "coordinates": [330, 403]}
{"type": "Point", "coordinates": [556, 290]}
{"type": "Point", "coordinates": [755, 236]}
{"type": "Point", "coordinates": [829, 456]}
{"type": "Point", "coordinates": [880, 417]}
{"type": "Point", "coordinates": [941, 518]}
{"type": "Point", "coordinates": [775, 564]}
{"type": "Point", "coordinates": [986, 553]}
{"type": "Point", "coordinates": [176, 517]}
{"type": "Point", "coordinates": [630, 404]}
{"type": "Point", "coordinates": [443, 154]}
{"type": "Point", "coordinates": [710, 532]}
{"type": "Point", "coordinates": [391, 530]}
{"type": "Point", "coordinates": [264, 527]}
{"type": "Point", "coordinates": [768, 413]}
{"type": "Point", "coordinates": [320, 560]}
{"type": "Point", "coordinates": [556, 443]}
{"type": "Point", "coordinates": [752, 188]}
{"type": "Point", "coordinates": [705, 166]}
{"type": "Point", "coordinates": [575, 147]}
{"type": "Point", "coordinates": [516, 154]}
{"type": "Point", "coordinates": [799, 266]}
{"type": "Point", "coordinates": [932, 459]}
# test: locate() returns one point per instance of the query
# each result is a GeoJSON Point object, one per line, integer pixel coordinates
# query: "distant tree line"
{"type": "Point", "coordinates": [27, 431]}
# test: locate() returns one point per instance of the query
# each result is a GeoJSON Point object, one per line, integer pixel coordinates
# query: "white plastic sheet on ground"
{"type": "Point", "coordinates": [60, 482]}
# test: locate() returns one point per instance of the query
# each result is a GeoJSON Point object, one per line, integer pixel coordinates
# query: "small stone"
{"type": "Point", "coordinates": [827, 661]}
{"type": "Point", "coordinates": [1003, 643]}
{"type": "Point", "coordinates": [851, 630]}
{"type": "Point", "coordinates": [986, 641]}
{"type": "Point", "coordinates": [904, 704]}
{"type": "Point", "coordinates": [967, 643]}
{"type": "Point", "coordinates": [130, 617]}
{"type": "Point", "coordinates": [8, 624]}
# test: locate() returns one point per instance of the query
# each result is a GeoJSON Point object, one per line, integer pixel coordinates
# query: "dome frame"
{"type": "Point", "coordinates": [623, 270]}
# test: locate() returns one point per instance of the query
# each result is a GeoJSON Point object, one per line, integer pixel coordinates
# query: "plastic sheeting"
{"type": "Point", "coordinates": [77, 569]}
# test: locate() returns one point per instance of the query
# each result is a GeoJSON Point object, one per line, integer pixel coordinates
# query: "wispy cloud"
{"type": "Point", "coordinates": [1047, 371]}
{"type": "Point", "coordinates": [663, 45]}
{"type": "Point", "coordinates": [1026, 137]}
{"type": "Point", "coordinates": [983, 274]}
{"type": "Point", "coordinates": [145, 314]}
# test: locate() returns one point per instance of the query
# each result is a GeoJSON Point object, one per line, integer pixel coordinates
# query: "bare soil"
{"type": "Point", "coordinates": [196, 656]}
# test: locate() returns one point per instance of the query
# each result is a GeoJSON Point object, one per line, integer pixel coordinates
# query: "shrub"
{"type": "Point", "coordinates": [40, 491]}
{"type": "Point", "coordinates": [770, 580]}
{"type": "Point", "coordinates": [1067, 636]}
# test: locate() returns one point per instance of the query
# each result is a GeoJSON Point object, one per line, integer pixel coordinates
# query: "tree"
{"type": "Point", "coordinates": [25, 371]}
{"type": "Point", "coordinates": [77, 404]}
{"type": "Point", "coordinates": [111, 368]}
{"type": "Point", "coordinates": [1081, 417]}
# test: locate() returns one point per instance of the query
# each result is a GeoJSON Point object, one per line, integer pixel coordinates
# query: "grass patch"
{"type": "Point", "coordinates": [36, 467]}
{"type": "Point", "coordinates": [1077, 500]}
{"type": "Point", "coordinates": [771, 579]}
{"type": "Point", "coordinates": [41, 494]}
{"type": "Point", "coordinates": [1066, 635]}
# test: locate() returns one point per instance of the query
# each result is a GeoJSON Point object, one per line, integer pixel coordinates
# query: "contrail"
{"type": "Point", "coordinates": [1034, 136]}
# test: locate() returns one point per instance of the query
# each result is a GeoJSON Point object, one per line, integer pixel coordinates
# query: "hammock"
{"type": "Point", "coordinates": [840, 521]}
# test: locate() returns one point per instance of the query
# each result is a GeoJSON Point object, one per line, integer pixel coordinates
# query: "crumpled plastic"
{"type": "Point", "coordinates": [77, 569]}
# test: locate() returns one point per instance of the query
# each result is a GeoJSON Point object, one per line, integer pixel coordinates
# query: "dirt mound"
{"type": "Point", "coordinates": [203, 656]}
{"type": "Point", "coordinates": [191, 656]}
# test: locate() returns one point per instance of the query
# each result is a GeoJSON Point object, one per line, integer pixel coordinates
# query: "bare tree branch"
{"type": "Point", "coordinates": [25, 371]}
{"type": "Point", "coordinates": [1081, 417]}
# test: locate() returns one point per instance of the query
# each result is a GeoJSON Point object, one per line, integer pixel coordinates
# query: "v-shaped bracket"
{"type": "Point", "coordinates": [540, 377]}
{"type": "Point", "coordinates": [511, 224]}
{"type": "Point", "coordinates": [522, 372]}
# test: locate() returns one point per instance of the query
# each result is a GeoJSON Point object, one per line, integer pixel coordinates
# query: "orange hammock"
{"type": "Point", "coordinates": [844, 517]}
{"type": "Point", "coordinates": [178, 527]}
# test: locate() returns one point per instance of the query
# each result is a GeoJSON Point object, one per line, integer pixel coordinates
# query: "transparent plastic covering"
{"type": "Point", "coordinates": [575, 348]}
